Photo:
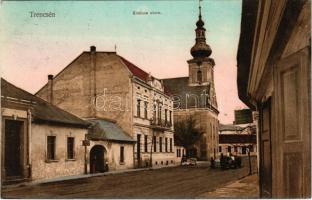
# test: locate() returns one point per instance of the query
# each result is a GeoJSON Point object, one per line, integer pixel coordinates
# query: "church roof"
{"type": "Point", "coordinates": [42, 111]}
{"type": "Point", "coordinates": [185, 95]}
{"type": "Point", "coordinates": [107, 130]}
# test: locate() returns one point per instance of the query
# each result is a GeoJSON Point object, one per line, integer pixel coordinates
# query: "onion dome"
{"type": "Point", "coordinates": [201, 48]}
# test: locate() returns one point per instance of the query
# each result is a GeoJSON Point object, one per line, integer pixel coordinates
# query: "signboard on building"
{"type": "Point", "coordinates": [243, 116]}
{"type": "Point", "coordinates": [85, 142]}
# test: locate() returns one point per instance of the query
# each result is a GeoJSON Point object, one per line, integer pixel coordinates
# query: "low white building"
{"type": "Point", "coordinates": [237, 140]}
{"type": "Point", "coordinates": [110, 147]}
{"type": "Point", "coordinates": [38, 140]}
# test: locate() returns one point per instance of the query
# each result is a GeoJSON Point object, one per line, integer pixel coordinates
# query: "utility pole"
{"type": "Point", "coordinates": [250, 172]}
{"type": "Point", "coordinates": [85, 143]}
{"type": "Point", "coordinates": [151, 153]}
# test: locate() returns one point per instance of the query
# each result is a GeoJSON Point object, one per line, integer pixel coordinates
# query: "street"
{"type": "Point", "coordinates": [173, 182]}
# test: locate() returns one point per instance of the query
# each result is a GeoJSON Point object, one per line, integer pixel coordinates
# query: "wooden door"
{"type": "Point", "coordinates": [293, 136]}
{"type": "Point", "coordinates": [13, 162]}
{"type": "Point", "coordinates": [139, 149]}
{"type": "Point", "coordinates": [97, 163]}
{"type": "Point", "coordinates": [265, 150]}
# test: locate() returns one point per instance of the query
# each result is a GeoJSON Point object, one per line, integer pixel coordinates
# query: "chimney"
{"type": "Point", "coordinates": [93, 79]}
{"type": "Point", "coordinates": [149, 78]}
{"type": "Point", "coordinates": [92, 49]}
{"type": "Point", "coordinates": [50, 89]}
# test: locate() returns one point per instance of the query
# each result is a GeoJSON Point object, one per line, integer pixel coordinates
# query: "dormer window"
{"type": "Point", "coordinates": [199, 76]}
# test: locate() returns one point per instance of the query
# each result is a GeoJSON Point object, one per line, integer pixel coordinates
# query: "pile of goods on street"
{"type": "Point", "coordinates": [226, 162]}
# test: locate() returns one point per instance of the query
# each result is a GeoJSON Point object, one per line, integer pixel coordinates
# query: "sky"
{"type": "Point", "coordinates": [33, 47]}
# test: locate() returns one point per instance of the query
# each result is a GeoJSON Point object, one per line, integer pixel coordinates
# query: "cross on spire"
{"type": "Point", "coordinates": [199, 8]}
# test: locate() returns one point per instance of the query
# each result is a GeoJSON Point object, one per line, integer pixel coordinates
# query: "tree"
{"type": "Point", "coordinates": [186, 133]}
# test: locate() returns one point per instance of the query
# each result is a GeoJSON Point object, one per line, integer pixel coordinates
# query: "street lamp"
{"type": "Point", "coordinates": [85, 143]}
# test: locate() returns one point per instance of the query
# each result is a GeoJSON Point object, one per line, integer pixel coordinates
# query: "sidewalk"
{"type": "Point", "coordinates": [82, 176]}
{"type": "Point", "coordinates": [244, 188]}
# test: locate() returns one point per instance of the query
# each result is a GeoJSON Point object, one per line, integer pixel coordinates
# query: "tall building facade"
{"type": "Point", "coordinates": [112, 92]}
{"type": "Point", "coordinates": [195, 95]}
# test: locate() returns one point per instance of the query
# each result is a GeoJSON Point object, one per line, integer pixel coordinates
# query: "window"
{"type": "Point", "coordinates": [166, 115]}
{"type": "Point", "coordinates": [145, 109]}
{"type": "Point", "coordinates": [251, 149]}
{"type": "Point", "coordinates": [166, 144]}
{"type": "Point", "coordinates": [159, 112]}
{"type": "Point", "coordinates": [138, 143]}
{"type": "Point", "coordinates": [199, 76]}
{"type": "Point", "coordinates": [154, 112]}
{"type": "Point", "coordinates": [170, 144]}
{"type": "Point", "coordinates": [154, 142]}
{"type": "Point", "coordinates": [178, 152]}
{"type": "Point", "coordinates": [51, 147]}
{"type": "Point", "coordinates": [220, 148]}
{"type": "Point", "coordinates": [122, 154]}
{"type": "Point", "coordinates": [160, 144]}
{"type": "Point", "coordinates": [229, 149]}
{"type": "Point", "coordinates": [70, 147]}
{"type": "Point", "coordinates": [170, 116]}
{"type": "Point", "coordinates": [145, 143]}
{"type": "Point", "coordinates": [244, 150]}
{"type": "Point", "coordinates": [138, 108]}
{"type": "Point", "coordinates": [235, 149]}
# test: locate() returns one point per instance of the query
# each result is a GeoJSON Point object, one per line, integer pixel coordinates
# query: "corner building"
{"type": "Point", "coordinates": [112, 92]}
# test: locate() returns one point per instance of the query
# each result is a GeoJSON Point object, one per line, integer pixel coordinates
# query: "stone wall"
{"type": "Point", "coordinates": [94, 86]}
{"type": "Point", "coordinates": [71, 88]}
{"type": "Point", "coordinates": [208, 123]}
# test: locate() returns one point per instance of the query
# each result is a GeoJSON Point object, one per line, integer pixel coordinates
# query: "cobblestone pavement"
{"type": "Point", "coordinates": [244, 188]}
{"type": "Point", "coordinates": [173, 182]}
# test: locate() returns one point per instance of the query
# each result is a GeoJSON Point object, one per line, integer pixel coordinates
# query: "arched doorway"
{"type": "Point", "coordinates": [97, 163]}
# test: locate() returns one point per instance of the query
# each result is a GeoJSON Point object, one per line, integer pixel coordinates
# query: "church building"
{"type": "Point", "coordinates": [195, 95]}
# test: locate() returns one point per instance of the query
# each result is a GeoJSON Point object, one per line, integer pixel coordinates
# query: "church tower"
{"type": "Point", "coordinates": [201, 65]}
{"type": "Point", "coordinates": [195, 96]}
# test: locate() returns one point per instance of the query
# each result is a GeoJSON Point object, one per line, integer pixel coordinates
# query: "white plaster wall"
{"type": "Point", "coordinates": [159, 157]}
{"type": "Point", "coordinates": [43, 169]}
{"type": "Point", "coordinates": [182, 152]}
{"type": "Point", "coordinates": [224, 149]}
{"type": "Point", "coordinates": [112, 154]}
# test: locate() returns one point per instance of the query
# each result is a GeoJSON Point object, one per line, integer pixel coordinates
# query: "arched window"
{"type": "Point", "coordinates": [199, 76]}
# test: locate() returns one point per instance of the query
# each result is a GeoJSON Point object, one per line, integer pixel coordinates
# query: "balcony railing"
{"type": "Point", "coordinates": [160, 123]}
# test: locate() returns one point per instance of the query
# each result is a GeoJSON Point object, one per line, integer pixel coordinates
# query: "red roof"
{"type": "Point", "coordinates": [139, 73]}
{"type": "Point", "coordinates": [136, 71]}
